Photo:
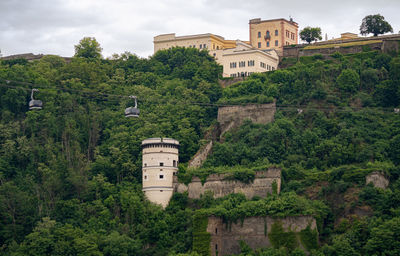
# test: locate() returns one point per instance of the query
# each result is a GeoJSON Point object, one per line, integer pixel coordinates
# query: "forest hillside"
{"type": "Point", "coordinates": [70, 174]}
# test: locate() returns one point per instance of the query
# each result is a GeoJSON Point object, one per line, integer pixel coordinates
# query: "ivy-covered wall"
{"type": "Point", "coordinates": [258, 232]}
{"type": "Point", "coordinates": [201, 238]}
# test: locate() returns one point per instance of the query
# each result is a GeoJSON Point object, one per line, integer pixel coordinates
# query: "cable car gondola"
{"type": "Point", "coordinates": [132, 111]}
{"type": "Point", "coordinates": [35, 104]}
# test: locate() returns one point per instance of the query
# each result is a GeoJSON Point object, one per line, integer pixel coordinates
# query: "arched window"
{"type": "Point", "coordinates": [268, 33]}
{"type": "Point", "coordinates": [276, 32]}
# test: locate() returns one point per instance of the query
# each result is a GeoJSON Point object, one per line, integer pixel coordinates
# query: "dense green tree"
{"type": "Point", "coordinates": [348, 80]}
{"type": "Point", "coordinates": [88, 47]}
{"type": "Point", "coordinates": [375, 24]}
{"type": "Point", "coordinates": [310, 34]}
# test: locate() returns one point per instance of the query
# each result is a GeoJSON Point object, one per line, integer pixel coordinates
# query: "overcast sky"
{"type": "Point", "coordinates": [55, 26]}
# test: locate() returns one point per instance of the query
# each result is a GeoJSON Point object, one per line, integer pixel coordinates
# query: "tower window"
{"type": "Point", "coordinates": [161, 164]}
{"type": "Point", "coordinates": [174, 163]}
{"type": "Point", "coordinates": [145, 177]}
{"type": "Point", "coordinates": [161, 176]}
{"type": "Point", "coordinates": [216, 230]}
{"type": "Point", "coordinates": [145, 164]}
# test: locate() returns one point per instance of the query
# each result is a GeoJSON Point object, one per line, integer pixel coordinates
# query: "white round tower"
{"type": "Point", "coordinates": [159, 164]}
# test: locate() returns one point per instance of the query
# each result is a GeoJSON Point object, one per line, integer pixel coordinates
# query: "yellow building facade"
{"type": "Point", "coordinates": [273, 34]}
{"type": "Point", "coordinates": [238, 58]}
{"type": "Point", "coordinates": [202, 41]}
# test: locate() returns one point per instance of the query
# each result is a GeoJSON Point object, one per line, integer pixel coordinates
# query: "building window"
{"type": "Point", "coordinates": [268, 33]}
{"type": "Point", "coordinates": [145, 165]}
{"type": "Point", "coordinates": [217, 47]}
{"type": "Point", "coordinates": [232, 64]}
{"type": "Point", "coordinates": [201, 46]}
{"type": "Point", "coordinates": [214, 54]}
{"type": "Point", "coordinates": [194, 46]}
{"type": "Point", "coordinates": [259, 34]}
{"type": "Point", "coordinates": [268, 44]}
{"type": "Point", "coordinates": [216, 230]}
{"type": "Point", "coordinates": [161, 164]}
{"type": "Point", "coordinates": [174, 163]}
{"type": "Point", "coordinates": [259, 45]}
{"type": "Point", "coordinates": [276, 42]}
{"type": "Point", "coordinates": [216, 247]}
{"type": "Point", "coordinates": [204, 46]}
{"type": "Point", "coordinates": [145, 177]}
{"type": "Point", "coordinates": [262, 64]}
{"type": "Point", "coordinates": [276, 32]}
{"type": "Point", "coordinates": [161, 176]}
{"type": "Point", "coordinates": [273, 68]}
{"type": "Point", "coordinates": [242, 64]}
{"type": "Point", "coordinates": [250, 63]}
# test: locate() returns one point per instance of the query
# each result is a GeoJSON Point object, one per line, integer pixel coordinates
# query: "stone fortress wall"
{"type": "Point", "coordinates": [219, 186]}
{"type": "Point", "coordinates": [254, 231]}
{"type": "Point", "coordinates": [231, 117]}
{"type": "Point", "coordinates": [385, 43]}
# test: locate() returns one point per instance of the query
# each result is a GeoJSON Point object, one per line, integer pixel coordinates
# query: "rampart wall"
{"type": "Point", "coordinates": [255, 231]}
{"type": "Point", "coordinates": [231, 117]}
{"type": "Point", "coordinates": [219, 185]}
{"type": "Point", "coordinates": [386, 44]}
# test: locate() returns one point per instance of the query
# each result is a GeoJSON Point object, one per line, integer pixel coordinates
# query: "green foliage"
{"type": "Point", "coordinates": [375, 24]}
{"type": "Point", "coordinates": [88, 47]}
{"type": "Point", "coordinates": [348, 80]}
{"type": "Point", "coordinates": [310, 34]}
{"type": "Point", "coordinates": [280, 238]}
{"type": "Point", "coordinates": [234, 207]}
{"type": "Point", "coordinates": [201, 238]}
{"type": "Point", "coordinates": [70, 180]}
{"type": "Point", "coordinates": [309, 238]}
{"type": "Point", "coordinates": [238, 172]}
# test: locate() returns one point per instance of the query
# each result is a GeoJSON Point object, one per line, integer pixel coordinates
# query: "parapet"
{"type": "Point", "coordinates": [160, 141]}
{"type": "Point", "coordinates": [164, 37]}
{"type": "Point", "coordinates": [221, 185]}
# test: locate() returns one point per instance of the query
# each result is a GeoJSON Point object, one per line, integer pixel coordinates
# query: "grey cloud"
{"type": "Point", "coordinates": [55, 26]}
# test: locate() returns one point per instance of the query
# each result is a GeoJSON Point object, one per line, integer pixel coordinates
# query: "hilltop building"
{"type": "Point", "coordinates": [159, 164]}
{"type": "Point", "coordinates": [244, 60]}
{"type": "Point", "coordinates": [202, 41]}
{"type": "Point", "coordinates": [237, 57]}
{"type": "Point", "coordinates": [273, 34]}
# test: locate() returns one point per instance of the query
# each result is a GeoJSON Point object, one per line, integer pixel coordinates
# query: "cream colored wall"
{"type": "Point", "coordinates": [246, 56]}
{"type": "Point", "coordinates": [163, 42]}
{"type": "Point", "coordinates": [157, 197]}
{"type": "Point", "coordinates": [159, 190]}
